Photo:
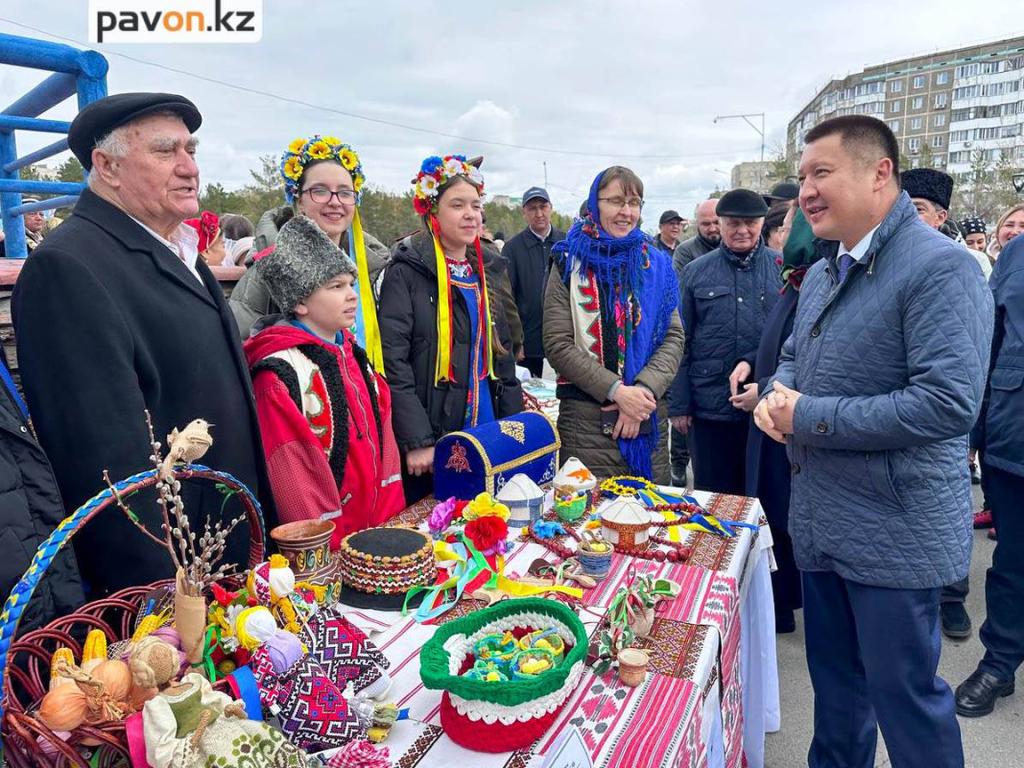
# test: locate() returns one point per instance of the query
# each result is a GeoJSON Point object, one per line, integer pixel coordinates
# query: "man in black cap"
{"type": "Point", "coordinates": [726, 297]}
{"type": "Point", "coordinates": [670, 226]}
{"type": "Point", "coordinates": [706, 240]}
{"type": "Point", "coordinates": [529, 259]}
{"type": "Point", "coordinates": [930, 191]}
{"type": "Point", "coordinates": [782, 193]}
{"type": "Point", "coordinates": [116, 308]}
{"type": "Point", "coordinates": [34, 222]}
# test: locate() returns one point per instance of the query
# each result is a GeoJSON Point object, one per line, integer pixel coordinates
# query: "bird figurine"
{"type": "Point", "coordinates": [187, 446]}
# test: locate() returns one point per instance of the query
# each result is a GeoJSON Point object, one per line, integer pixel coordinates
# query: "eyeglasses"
{"type": "Point", "coordinates": [324, 195]}
{"type": "Point", "coordinates": [619, 203]}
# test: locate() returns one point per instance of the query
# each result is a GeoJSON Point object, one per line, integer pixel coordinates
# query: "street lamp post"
{"type": "Point", "coordinates": [746, 117]}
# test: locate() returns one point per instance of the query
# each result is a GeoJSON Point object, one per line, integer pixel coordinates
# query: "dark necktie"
{"type": "Point", "coordinates": [845, 261]}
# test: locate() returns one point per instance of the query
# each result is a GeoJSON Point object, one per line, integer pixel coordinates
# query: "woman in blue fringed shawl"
{"type": "Point", "coordinates": [613, 335]}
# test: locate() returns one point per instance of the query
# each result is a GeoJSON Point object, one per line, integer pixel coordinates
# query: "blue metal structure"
{"type": "Point", "coordinates": [75, 72]}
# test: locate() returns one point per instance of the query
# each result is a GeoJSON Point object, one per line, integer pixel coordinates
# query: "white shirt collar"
{"type": "Point", "coordinates": [539, 237]}
{"type": "Point", "coordinates": [860, 248]}
{"type": "Point", "coordinates": [184, 244]}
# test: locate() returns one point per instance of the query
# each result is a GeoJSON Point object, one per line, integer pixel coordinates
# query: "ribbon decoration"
{"type": "Point", "coordinates": [209, 646]}
{"type": "Point", "coordinates": [711, 524]}
{"type": "Point", "coordinates": [367, 332]}
{"type": "Point", "coordinates": [471, 571]}
{"type": "Point", "coordinates": [243, 684]}
{"type": "Point", "coordinates": [674, 534]}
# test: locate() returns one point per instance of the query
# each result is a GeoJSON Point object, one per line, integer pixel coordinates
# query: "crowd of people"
{"type": "Point", "coordinates": [827, 347]}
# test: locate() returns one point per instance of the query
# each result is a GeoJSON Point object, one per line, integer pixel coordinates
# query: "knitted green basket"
{"type": "Point", "coordinates": [442, 656]}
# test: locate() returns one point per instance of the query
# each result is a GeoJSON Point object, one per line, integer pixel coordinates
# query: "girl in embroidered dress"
{"type": "Point", "coordinates": [613, 335]}
{"type": "Point", "coordinates": [446, 342]}
{"type": "Point", "coordinates": [325, 414]}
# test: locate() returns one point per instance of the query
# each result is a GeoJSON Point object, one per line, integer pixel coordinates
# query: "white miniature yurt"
{"type": "Point", "coordinates": [524, 498]}
{"type": "Point", "coordinates": [574, 477]}
{"type": "Point", "coordinates": [625, 522]}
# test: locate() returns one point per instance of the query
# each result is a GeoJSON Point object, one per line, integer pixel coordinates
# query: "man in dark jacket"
{"type": "Point", "coordinates": [876, 389]}
{"type": "Point", "coordinates": [726, 297]}
{"type": "Point", "coordinates": [670, 226]}
{"type": "Point", "coordinates": [1000, 440]}
{"type": "Point", "coordinates": [116, 308]}
{"type": "Point", "coordinates": [931, 191]}
{"type": "Point", "coordinates": [708, 237]}
{"type": "Point", "coordinates": [529, 261]}
{"type": "Point", "coordinates": [30, 509]}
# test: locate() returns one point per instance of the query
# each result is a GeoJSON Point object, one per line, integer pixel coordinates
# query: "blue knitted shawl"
{"type": "Point", "coordinates": [629, 267]}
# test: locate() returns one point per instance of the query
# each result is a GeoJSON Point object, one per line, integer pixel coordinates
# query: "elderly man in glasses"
{"type": "Point", "coordinates": [726, 296]}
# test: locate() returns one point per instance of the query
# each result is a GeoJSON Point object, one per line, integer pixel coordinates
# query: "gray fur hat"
{"type": "Point", "coordinates": [303, 260]}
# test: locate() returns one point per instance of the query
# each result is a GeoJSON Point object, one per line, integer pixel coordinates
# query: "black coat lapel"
{"type": "Point", "coordinates": [119, 224]}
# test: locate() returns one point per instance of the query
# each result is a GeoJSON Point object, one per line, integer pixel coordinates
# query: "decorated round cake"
{"type": "Point", "coordinates": [380, 565]}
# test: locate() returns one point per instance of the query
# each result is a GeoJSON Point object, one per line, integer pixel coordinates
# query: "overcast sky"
{"type": "Point", "coordinates": [635, 83]}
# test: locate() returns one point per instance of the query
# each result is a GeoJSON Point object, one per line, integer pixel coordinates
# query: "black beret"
{"type": "Point", "coordinates": [104, 115]}
{"type": "Point", "coordinates": [742, 204]}
{"type": "Point", "coordinates": [669, 216]}
{"type": "Point", "coordinates": [929, 184]}
{"type": "Point", "coordinates": [786, 190]}
{"type": "Point", "coordinates": [972, 226]}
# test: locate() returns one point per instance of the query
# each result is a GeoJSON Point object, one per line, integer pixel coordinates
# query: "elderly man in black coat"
{"type": "Point", "coordinates": [115, 314]}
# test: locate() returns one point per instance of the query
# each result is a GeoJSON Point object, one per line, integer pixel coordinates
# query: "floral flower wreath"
{"type": "Point", "coordinates": [301, 152]}
{"type": "Point", "coordinates": [434, 173]}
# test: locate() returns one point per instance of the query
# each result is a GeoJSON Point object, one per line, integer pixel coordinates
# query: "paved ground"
{"type": "Point", "coordinates": [995, 741]}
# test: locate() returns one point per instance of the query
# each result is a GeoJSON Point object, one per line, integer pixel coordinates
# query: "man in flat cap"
{"type": "Point", "coordinates": [670, 226]}
{"type": "Point", "coordinates": [529, 260]}
{"type": "Point", "coordinates": [726, 297]}
{"type": "Point", "coordinates": [34, 222]}
{"type": "Point", "coordinates": [116, 314]}
{"type": "Point", "coordinates": [782, 192]}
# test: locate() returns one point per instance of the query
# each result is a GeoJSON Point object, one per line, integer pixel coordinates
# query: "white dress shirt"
{"type": "Point", "coordinates": [184, 244]}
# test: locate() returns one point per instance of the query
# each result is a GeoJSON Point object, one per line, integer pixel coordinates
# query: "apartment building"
{"type": "Point", "coordinates": [943, 107]}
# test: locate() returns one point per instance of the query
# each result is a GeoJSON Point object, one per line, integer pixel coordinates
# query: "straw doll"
{"type": "Point", "coordinates": [190, 725]}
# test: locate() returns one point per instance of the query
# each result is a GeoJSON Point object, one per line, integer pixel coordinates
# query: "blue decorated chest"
{"type": "Point", "coordinates": [484, 458]}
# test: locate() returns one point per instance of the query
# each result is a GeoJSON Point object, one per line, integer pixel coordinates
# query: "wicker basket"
{"type": "Point", "coordinates": [24, 663]}
{"type": "Point", "coordinates": [502, 716]}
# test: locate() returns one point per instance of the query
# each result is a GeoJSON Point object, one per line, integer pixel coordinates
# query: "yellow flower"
{"type": "Point", "coordinates": [319, 150]}
{"type": "Point", "coordinates": [484, 506]}
{"type": "Point", "coordinates": [331, 141]}
{"type": "Point", "coordinates": [293, 167]}
{"type": "Point", "coordinates": [296, 146]}
{"type": "Point", "coordinates": [348, 158]}
{"type": "Point", "coordinates": [358, 181]}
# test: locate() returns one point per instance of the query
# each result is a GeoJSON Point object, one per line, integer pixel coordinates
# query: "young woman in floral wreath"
{"type": "Point", "coordinates": [323, 181]}
{"type": "Point", "coordinates": [446, 342]}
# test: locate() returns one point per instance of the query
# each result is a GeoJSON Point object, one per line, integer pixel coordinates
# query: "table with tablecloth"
{"type": "Point", "coordinates": [711, 691]}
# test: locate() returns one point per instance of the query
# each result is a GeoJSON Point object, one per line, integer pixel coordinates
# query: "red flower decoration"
{"type": "Point", "coordinates": [459, 506]}
{"type": "Point", "coordinates": [486, 532]}
{"type": "Point", "coordinates": [423, 206]}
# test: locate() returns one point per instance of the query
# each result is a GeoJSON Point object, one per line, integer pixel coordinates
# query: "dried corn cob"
{"type": "Point", "coordinates": [56, 679]}
{"type": "Point", "coordinates": [95, 650]}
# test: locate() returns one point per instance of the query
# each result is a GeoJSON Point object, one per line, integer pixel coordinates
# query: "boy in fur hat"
{"type": "Point", "coordinates": [324, 413]}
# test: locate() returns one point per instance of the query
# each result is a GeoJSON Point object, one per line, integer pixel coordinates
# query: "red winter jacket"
{"type": "Point", "coordinates": [325, 418]}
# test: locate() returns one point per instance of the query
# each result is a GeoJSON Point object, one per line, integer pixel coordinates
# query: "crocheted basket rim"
{"type": "Point", "coordinates": [435, 658]}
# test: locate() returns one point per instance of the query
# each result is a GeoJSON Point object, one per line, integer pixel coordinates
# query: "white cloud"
{"type": "Point", "coordinates": [616, 80]}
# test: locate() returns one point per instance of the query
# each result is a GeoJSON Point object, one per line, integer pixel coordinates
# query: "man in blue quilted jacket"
{"type": "Point", "coordinates": [876, 390]}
